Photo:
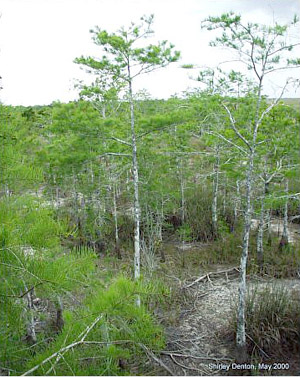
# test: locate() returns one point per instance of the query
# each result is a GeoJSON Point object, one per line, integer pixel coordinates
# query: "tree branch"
{"type": "Point", "coordinates": [272, 105]}
{"type": "Point", "coordinates": [232, 122]}
{"type": "Point", "coordinates": [228, 141]}
{"type": "Point", "coordinates": [114, 154]}
{"type": "Point", "coordinates": [120, 141]}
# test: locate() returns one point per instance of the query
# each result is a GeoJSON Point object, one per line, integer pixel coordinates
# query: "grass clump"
{"type": "Point", "coordinates": [272, 322]}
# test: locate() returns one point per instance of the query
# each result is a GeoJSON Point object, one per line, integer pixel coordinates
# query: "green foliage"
{"type": "Point", "coordinates": [120, 329]}
{"type": "Point", "coordinates": [184, 233]}
{"type": "Point", "coordinates": [259, 44]}
{"type": "Point", "coordinates": [31, 260]}
{"type": "Point", "coordinates": [25, 222]}
{"type": "Point", "coordinates": [200, 226]}
{"type": "Point", "coordinates": [119, 52]}
{"type": "Point", "coordinates": [57, 189]}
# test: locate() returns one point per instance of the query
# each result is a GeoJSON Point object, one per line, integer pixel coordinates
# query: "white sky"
{"type": "Point", "coordinates": [39, 40]}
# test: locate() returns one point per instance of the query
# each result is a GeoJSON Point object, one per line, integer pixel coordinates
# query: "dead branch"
{"type": "Point", "coordinates": [82, 336]}
{"type": "Point", "coordinates": [60, 353]}
{"type": "Point", "coordinates": [181, 365]}
{"type": "Point", "coordinates": [149, 353]}
{"type": "Point", "coordinates": [210, 274]}
{"type": "Point", "coordinates": [195, 357]}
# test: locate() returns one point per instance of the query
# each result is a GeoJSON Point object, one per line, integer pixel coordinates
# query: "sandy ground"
{"type": "Point", "coordinates": [197, 344]}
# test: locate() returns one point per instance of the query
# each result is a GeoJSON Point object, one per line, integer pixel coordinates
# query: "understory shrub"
{"type": "Point", "coordinates": [272, 322]}
{"type": "Point", "coordinates": [276, 263]}
{"type": "Point", "coordinates": [104, 335]}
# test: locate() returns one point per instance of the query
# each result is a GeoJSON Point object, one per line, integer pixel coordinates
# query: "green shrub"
{"type": "Point", "coordinates": [31, 259]}
{"type": "Point", "coordinates": [185, 233]}
{"type": "Point", "coordinates": [119, 330]}
{"type": "Point", "coordinates": [275, 263]}
{"type": "Point", "coordinates": [199, 215]}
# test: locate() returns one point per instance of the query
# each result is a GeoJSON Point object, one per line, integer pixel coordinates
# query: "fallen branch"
{"type": "Point", "coordinates": [210, 274]}
{"type": "Point", "coordinates": [181, 365]}
{"type": "Point", "coordinates": [169, 353]}
{"type": "Point", "coordinates": [155, 358]}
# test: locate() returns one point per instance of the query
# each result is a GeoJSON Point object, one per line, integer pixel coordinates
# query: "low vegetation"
{"type": "Point", "coordinates": [114, 206]}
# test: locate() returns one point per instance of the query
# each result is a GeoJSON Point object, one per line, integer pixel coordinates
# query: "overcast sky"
{"type": "Point", "coordinates": [39, 40]}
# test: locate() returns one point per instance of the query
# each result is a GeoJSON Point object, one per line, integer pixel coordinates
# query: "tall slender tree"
{"type": "Point", "coordinates": [123, 60]}
{"type": "Point", "coordinates": [263, 50]}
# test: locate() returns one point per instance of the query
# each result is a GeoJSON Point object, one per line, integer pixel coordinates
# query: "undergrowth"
{"type": "Point", "coordinates": [111, 330]}
{"type": "Point", "coordinates": [272, 323]}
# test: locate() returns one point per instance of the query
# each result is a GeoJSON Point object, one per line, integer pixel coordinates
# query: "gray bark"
{"type": "Point", "coordinates": [182, 198]}
{"type": "Point", "coordinates": [137, 254]}
{"type": "Point", "coordinates": [31, 337]}
{"type": "Point", "coordinates": [236, 203]}
{"type": "Point", "coordinates": [241, 320]}
{"type": "Point", "coordinates": [241, 333]}
{"type": "Point", "coordinates": [285, 233]}
{"type": "Point", "coordinates": [215, 194]}
{"type": "Point", "coordinates": [103, 111]}
{"type": "Point", "coordinates": [260, 233]}
{"type": "Point", "coordinates": [115, 215]}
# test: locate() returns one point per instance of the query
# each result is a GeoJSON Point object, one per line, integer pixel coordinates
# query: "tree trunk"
{"type": "Point", "coordinates": [269, 227]}
{"type": "Point", "coordinates": [117, 245]}
{"type": "Point", "coordinates": [260, 232]}
{"type": "Point", "coordinates": [214, 206]}
{"type": "Point", "coordinates": [284, 242]}
{"type": "Point", "coordinates": [161, 248]}
{"type": "Point", "coordinates": [31, 337]}
{"type": "Point", "coordinates": [137, 255]}
{"type": "Point", "coordinates": [225, 198]}
{"type": "Point", "coordinates": [103, 111]}
{"type": "Point", "coordinates": [236, 204]}
{"type": "Point", "coordinates": [241, 321]}
{"type": "Point", "coordinates": [182, 198]}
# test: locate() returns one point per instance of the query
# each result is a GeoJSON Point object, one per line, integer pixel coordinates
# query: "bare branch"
{"type": "Point", "coordinates": [207, 276]}
{"type": "Point", "coordinates": [273, 104]}
{"type": "Point", "coordinates": [114, 154]}
{"type": "Point", "coordinates": [121, 141]}
{"type": "Point", "coordinates": [228, 141]}
{"type": "Point", "coordinates": [195, 357]}
{"type": "Point", "coordinates": [232, 122]}
{"type": "Point", "coordinates": [155, 358]}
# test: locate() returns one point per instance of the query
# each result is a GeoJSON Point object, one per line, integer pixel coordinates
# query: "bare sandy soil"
{"type": "Point", "coordinates": [197, 343]}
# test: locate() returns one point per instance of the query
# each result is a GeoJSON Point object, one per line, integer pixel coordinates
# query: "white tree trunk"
{"type": "Point", "coordinates": [115, 214]}
{"type": "Point", "coordinates": [215, 195]}
{"type": "Point", "coordinates": [260, 233]}
{"type": "Point", "coordinates": [236, 203]}
{"type": "Point", "coordinates": [103, 111]}
{"type": "Point", "coordinates": [137, 254]}
{"type": "Point", "coordinates": [182, 199]}
{"type": "Point", "coordinates": [285, 233]}
{"type": "Point", "coordinates": [241, 322]}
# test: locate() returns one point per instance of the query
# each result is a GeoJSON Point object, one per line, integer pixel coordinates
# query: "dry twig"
{"type": "Point", "coordinates": [211, 274]}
